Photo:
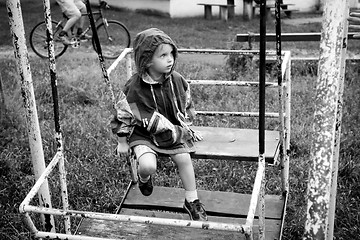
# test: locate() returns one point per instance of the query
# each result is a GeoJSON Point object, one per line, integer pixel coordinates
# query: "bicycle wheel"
{"type": "Point", "coordinates": [113, 38]}
{"type": "Point", "coordinates": [38, 40]}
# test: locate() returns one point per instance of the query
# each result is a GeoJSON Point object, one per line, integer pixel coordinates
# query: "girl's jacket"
{"type": "Point", "coordinates": [158, 113]}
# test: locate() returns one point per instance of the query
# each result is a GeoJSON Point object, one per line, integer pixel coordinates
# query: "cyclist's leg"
{"type": "Point", "coordinates": [74, 15]}
{"type": "Point", "coordinates": [69, 8]}
{"type": "Point", "coordinates": [82, 8]}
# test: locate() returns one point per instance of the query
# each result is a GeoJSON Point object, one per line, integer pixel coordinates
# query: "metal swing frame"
{"type": "Point", "coordinates": [26, 208]}
{"type": "Point", "coordinates": [258, 191]}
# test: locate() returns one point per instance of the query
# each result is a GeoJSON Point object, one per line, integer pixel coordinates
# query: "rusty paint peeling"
{"type": "Point", "coordinates": [27, 92]}
{"type": "Point", "coordinates": [325, 120]}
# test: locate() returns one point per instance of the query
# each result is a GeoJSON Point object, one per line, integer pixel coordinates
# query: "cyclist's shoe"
{"type": "Point", "coordinates": [146, 188]}
{"type": "Point", "coordinates": [65, 40]}
{"type": "Point", "coordinates": [195, 210]}
{"type": "Point", "coordinates": [84, 37]}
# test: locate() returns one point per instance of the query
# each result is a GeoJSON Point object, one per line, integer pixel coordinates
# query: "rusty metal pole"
{"type": "Point", "coordinates": [326, 116]}
{"type": "Point", "coordinates": [338, 131]}
{"type": "Point", "coordinates": [2, 101]}
{"type": "Point", "coordinates": [27, 90]}
{"type": "Point", "coordinates": [262, 111]}
{"type": "Point", "coordinates": [56, 108]}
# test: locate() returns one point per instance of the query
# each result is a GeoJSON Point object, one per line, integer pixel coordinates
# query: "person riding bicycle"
{"type": "Point", "coordinates": [73, 9]}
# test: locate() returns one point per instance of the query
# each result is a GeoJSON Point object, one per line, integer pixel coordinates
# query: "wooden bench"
{"type": "Point", "coordinates": [288, 11]}
{"type": "Point", "coordinates": [285, 37]}
{"type": "Point", "coordinates": [269, 8]}
{"type": "Point", "coordinates": [288, 37]}
{"type": "Point", "coordinates": [225, 10]}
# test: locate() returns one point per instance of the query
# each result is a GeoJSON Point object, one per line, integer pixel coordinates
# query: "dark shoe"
{"type": "Point", "coordinates": [196, 210]}
{"type": "Point", "coordinates": [146, 188]}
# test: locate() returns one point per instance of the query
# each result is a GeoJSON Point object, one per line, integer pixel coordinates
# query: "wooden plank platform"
{"type": "Point", "coordinates": [224, 207]}
{"type": "Point", "coordinates": [137, 231]}
{"type": "Point", "coordinates": [217, 203]}
{"type": "Point", "coordinates": [235, 144]}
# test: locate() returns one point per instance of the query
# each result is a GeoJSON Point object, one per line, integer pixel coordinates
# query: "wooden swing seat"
{"type": "Point", "coordinates": [224, 207]}
{"type": "Point", "coordinates": [235, 144]}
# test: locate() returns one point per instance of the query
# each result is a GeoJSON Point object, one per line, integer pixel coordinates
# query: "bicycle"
{"type": "Point", "coordinates": [113, 35]}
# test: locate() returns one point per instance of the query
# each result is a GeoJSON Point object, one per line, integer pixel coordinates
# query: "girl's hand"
{"type": "Point", "coordinates": [197, 136]}
{"type": "Point", "coordinates": [122, 149]}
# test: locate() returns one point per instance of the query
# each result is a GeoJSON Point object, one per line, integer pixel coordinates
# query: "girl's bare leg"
{"type": "Point", "coordinates": [186, 170]}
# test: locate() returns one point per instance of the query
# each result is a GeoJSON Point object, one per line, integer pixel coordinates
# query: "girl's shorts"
{"type": "Point", "coordinates": [80, 5]}
{"type": "Point", "coordinates": [140, 150]}
{"type": "Point", "coordinates": [72, 7]}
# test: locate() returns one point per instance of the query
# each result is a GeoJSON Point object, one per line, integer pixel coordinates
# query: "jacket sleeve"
{"type": "Point", "coordinates": [162, 132]}
{"type": "Point", "coordinates": [123, 120]}
{"type": "Point", "coordinates": [145, 113]}
{"type": "Point", "coordinates": [158, 124]}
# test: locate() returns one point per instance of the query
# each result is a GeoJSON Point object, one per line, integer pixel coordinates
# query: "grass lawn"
{"type": "Point", "coordinates": [97, 180]}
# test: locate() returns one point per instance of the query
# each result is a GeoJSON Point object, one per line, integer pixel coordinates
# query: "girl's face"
{"type": "Point", "coordinates": [162, 60]}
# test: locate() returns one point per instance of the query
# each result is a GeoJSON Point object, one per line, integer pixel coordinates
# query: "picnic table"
{"type": "Point", "coordinates": [226, 11]}
{"type": "Point", "coordinates": [284, 7]}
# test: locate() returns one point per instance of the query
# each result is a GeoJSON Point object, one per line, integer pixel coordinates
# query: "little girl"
{"type": "Point", "coordinates": [158, 118]}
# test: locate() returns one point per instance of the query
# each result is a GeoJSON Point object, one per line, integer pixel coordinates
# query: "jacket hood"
{"type": "Point", "coordinates": [145, 44]}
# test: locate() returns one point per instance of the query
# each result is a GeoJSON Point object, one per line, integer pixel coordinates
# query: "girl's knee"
{"type": "Point", "coordinates": [77, 14]}
{"type": "Point", "coordinates": [148, 168]}
{"type": "Point", "coordinates": [147, 163]}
